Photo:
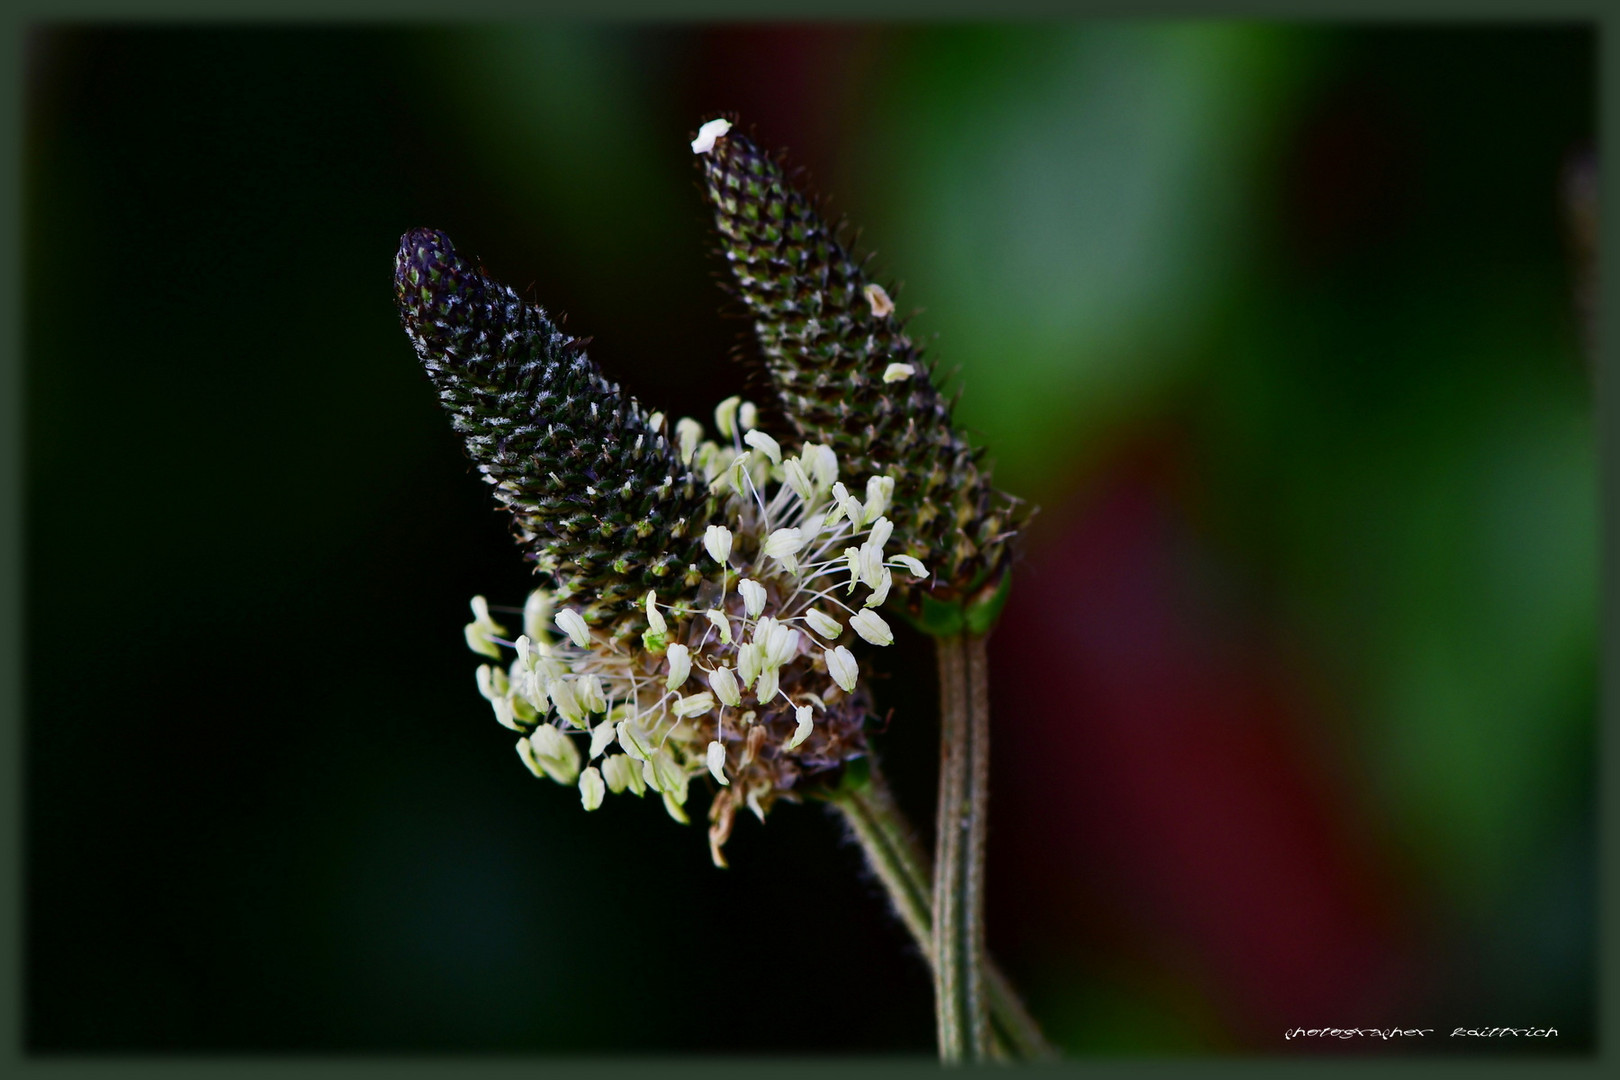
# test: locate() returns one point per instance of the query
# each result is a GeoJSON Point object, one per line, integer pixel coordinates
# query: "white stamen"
{"type": "Point", "coordinates": [753, 594]}
{"type": "Point", "coordinates": [709, 133]}
{"type": "Point", "coordinates": [765, 444]}
{"type": "Point", "coordinates": [842, 667]}
{"type": "Point", "coordinates": [721, 623]}
{"type": "Point", "coordinates": [572, 623]}
{"type": "Point", "coordinates": [870, 625]}
{"type": "Point", "coordinates": [717, 763]}
{"type": "Point", "coordinates": [724, 684]}
{"type": "Point", "coordinates": [914, 565]}
{"type": "Point", "coordinates": [725, 417]}
{"type": "Point", "coordinates": [693, 705]}
{"type": "Point", "coordinates": [822, 623]}
{"type": "Point", "coordinates": [688, 433]}
{"type": "Point", "coordinates": [898, 373]}
{"type": "Point", "coordinates": [717, 542]}
{"type": "Point", "coordinates": [881, 304]}
{"type": "Point", "coordinates": [680, 666]}
{"type": "Point", "coordinates": [591, 788]}
{"type": "Point", "coordinates": [655, 618]}
{"type": "Point", "coordinates": [802, 732]}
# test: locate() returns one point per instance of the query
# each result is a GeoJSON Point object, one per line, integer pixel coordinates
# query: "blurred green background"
{"type": "Point", "coordinates": [1295, 697]}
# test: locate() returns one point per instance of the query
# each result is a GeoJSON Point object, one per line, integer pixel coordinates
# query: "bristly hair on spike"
{"type": "Point", "coordinates": [597, 491]}
{"type": "Point", "coordinates": [844, 370]}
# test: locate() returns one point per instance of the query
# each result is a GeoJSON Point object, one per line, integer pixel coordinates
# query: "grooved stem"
{"type": "Point", "coordinates": [964, 760]}
{"type": "Point", "coordinates": [906, 871]}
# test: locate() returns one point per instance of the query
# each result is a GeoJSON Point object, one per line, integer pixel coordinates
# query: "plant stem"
{"type": "Point", "coordinates": [906, 872]}
{"type": "Point", "coordinates": [964, 759]}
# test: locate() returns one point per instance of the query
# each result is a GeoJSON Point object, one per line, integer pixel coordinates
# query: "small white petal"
{"type": "Point", "coordinates": [764, 444]}
{"type": "Point", "coordinates": [881, 304]}
{"type": "Point", "coordinates": [680, 665]}
{"type": "Point", "coordinates": [898, 373]}
{"type": "Point", "coordinates": [591, 788]}
{"type": "Point", "coordinates": [717, 542]}
{"type": "Point", "coordinates": [655, 618]}
{"type": "Point", "coordinates": [721, 623]}
{"type": "Point", "coordinates": [754, 804]}
{"type": "Point", "coordinates": [693, 705]}
{"type": "Point", "coordinates": [480, 609]}
{"type": "Point", "coordinates": [572, 623]}
{"type": "Point", "coordinates": [914, 565]}
{"type": "Point", "coordinates": [716, 756]}
{"type": "Point", "coordinates": [870, 625]}
{"type": "Point", "coordinates": [802, 732]}
{"type": "Point", "coordinates": [708, 134]}
{"type": "Point", "coordinates": [602, 736]}
{"type": "Point", "coordinates": [842, 667]}
{"type": "Point", "coordinates": [723, 681]}
{"type": "Point", "coordinates": [747, 415]}
{"type": "Point", "coordinates": [823, 624]}
{"type": "Point", "coordinates": [688, 433]}
{"type": "Point", "coordinates": [753, 594]}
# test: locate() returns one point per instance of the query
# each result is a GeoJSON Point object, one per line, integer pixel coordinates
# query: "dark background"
{"type": "Point", "coordinates": [1295, 694]}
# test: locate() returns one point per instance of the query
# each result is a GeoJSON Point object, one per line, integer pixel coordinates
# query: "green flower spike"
{"type": "Point", "coordinates": [850, 378]}
{"type": "Point", "coordinates": [597, 492]}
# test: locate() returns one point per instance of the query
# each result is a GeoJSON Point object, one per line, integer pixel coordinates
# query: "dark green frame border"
{"type": "Point", "coordinates": [13, 582]}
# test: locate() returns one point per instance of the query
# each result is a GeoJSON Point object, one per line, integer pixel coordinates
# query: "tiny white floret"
{"type": "Point", "coordinates": [802, 732]}
{"type": "Point", "coordinates": [898, 373]}
{"type": "Point", "coordinates": [655, 618]}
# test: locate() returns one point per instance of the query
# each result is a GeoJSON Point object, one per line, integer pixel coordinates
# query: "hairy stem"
{"type": "Point", "coordinates": [906, 871]}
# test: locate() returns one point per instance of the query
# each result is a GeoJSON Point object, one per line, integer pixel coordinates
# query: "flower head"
{"type": "Point", "coordinates": [599, 495]}
{"type": "Point", "coordinates": [754, 689]}
{"type": "Point", "coordinates": [847, 374]}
